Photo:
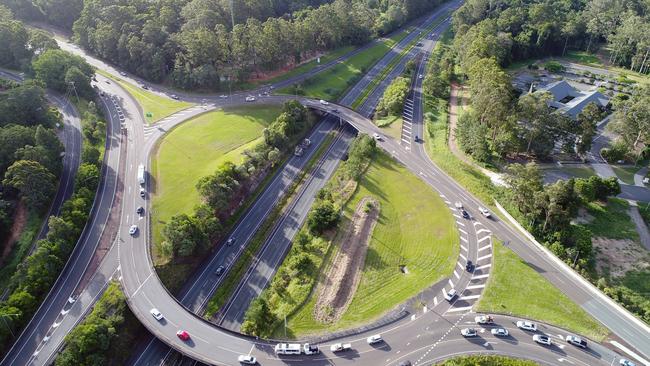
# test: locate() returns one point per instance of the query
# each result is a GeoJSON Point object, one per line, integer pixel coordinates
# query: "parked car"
{"type": "Point", "coordinates": [526, 325]}
{"type": "Point", "coordinates": [373, 339]}
{"type": "Point", "coordinates": [468, 332]}
{"type": "Point", "coordinates": [133, 229]}
{"type": "Point", "coordinates": [451, 294]}
{"type": "Point", "coordinates": [469, 266]}
{"type": "Point", "coordinates": [156, 314]}
{"type": "Point", "coordinates": [542, 339]}
{"type": "Point", "coordinates": [247, 359]}
{"type": "Point", "coordinates": [340, 347]}
{"type": "Point", "coordinates": [183, 335]}
{"type": "Point", "coordinates": [499, 332]}
{"type": "Point", "coordinates": [484, 319]}
{"type": "Point", "coordinates": [484, 211]}
{"type": "Point", "coordinates": [576, 341]}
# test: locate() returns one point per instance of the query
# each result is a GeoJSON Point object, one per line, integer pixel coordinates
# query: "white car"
{"type": "Point", "coordinates": [142, 192]}
{"type": "Point", "coordinates": [484, 211]}
{"type": "Point", "coordinates": [247, 359]}
{"type": "Point", "coordinates": [122, 73]}
{"type": "Point", "coordinates": [542, 339]}
{"type": "Point", "coordinates": [324, 102]}
{"type": "Point", "coordinates": [340, 347]}
{"type": "Point", "coordinates": [374, 339]}
{"type": "Point", "coordinates": [250, 98]}
{"type": "Point", "coordinates": [468, 332]}
{"type": "Point", "coordinates": [156, 314]}
{"type": "Point", "coordinates": [420, 76]}
{"type": "Point", "coordinates": [526, 325]}
{"type": "Point", "coordinates": [483, 319]}
{"type": "Point", "coordinates": [576, 341]}
{"type": "Point", "coordinates": [376, 136]}
{"type": "Point", "coordinates": [624, 362]}
{"type": "Point", "coordinates": [133, 229]}
{"type": "Point", "coordinates": [451, 294]}
{"type": "Point", "coordinates": [499, 332]}
{"type": "Point", "coordinates": [223, 96]}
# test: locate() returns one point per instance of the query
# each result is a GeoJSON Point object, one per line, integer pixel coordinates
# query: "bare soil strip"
{"type": "Point", "coordinates": [19, 222]}
{"type": "Point", "coordinates": [339, 284]}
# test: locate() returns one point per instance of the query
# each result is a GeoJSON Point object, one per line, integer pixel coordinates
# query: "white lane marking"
{"type": "Point", "coordinates": [463, 239]}
{"type": "Point", "coordinates": [469, 297]}
{"type": "Point", "coordinates": [447, 202]}
{"type": "Point", "coordinates": [485, 247]}
{"type": "Point", "coordinates": [462, 256]}
{"type": "Point", "coordinates": [456, 274]}
{"type": "Point", "coordinates": [451, 283]}
{"type": "Point", "coordinates": [484, 266]}
{"type": "Point", "coordinates": [435, 301]}
{"type": "Point", "coordinates": [473, 287]}
{"type": "Point", "coordinates": [630, 352]}
{"type": "Point", "coordinates": [457, 216]}
{"type": "Point", "coordinates": [484, 238]}
{"type": "Point", "coordinates": [462, 231]}
{"type": "Point", "coordinates": [460, 223]}
{"type": "Point", "coordinates": [453, 310]}
{"type": "Point", "coordinates": [483, 231]}
{"type": "Point", "coordinates": [459, 265]}
{"type": "Point", "coordinates": [480, 276]}
{"type": "Point", "coordinates": [484, 257]}
{"type": "Point", "coordinates": [463, 248]}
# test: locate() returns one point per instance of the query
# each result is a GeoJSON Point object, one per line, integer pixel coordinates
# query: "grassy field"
{"type": "Point", "coordinates": [625, 173]}
{"type": "Point", "coordinates": [414, 228]}
{"type": "Point", "coordinates": [392, 126]}
{"type": "Point", "coordinates": [195, 149]}
{"type": "Point", "coordinates": [611, 220]}
{"type": "Point", "coordinates": [158, 105]}
{"type": "Point", "coordinates": [486, 360]}
{"type": "Point", "coordinates": [332, 83]}
{"type": "Point", "coordinates": [535, 298]}
{"type": "Point", "coordinates": [308, 66]}
{"type": "Point", "coordinates": [582, 57]}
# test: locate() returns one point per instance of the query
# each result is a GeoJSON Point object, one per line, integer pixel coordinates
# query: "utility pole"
{"type": "Point", "coordinates": [232, 12]}
{"type": "Point", "coordinates": [75, 90]}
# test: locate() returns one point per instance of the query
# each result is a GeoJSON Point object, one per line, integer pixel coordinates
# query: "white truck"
{"type": "Point", "coordinates": [141, 174]}
{"type": "Point", "coordinates": [340, 347]}
{"type": "Point", "coordinates": [288, 349]}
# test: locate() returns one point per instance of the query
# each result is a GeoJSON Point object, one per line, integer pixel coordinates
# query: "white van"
{"type": "Point", "coordinates": [287, 349]}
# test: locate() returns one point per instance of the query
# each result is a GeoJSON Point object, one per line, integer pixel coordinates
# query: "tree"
{"type": "Point", "coordinates": [184, 234]}
{"type": "Point", "coordinates": [587, 119]}
{"type": "Point", "coordinates": [392, 102]}
{"type": "Point", "coordinates": [324, 215]}
{"type": "Point", "coordinates": [538, 124]}
{"type": "Point", "coordinates": [88, 176]}
{"type": "Point", "coordinates": [632, 118]}
{"type": "Point", "coordinates": [25, 105]}
{"type": "Point", "coordinates": [35, 183]}
{"type": "Point", "coordinates": [259, 319]}
{"type": "Point", "coordinates": [525, 182]}
{"type": "Point", "coordinates": [58, 69]}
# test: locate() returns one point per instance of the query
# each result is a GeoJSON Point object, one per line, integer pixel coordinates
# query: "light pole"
{"type": "Point", "coordinates": [3, 316]}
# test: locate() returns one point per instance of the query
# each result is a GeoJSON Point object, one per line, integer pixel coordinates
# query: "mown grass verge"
{"type": "Point", "coordinates": [414, 229]}
{"type": "Point", "coordinates": [534, 298]}
{"type": "Point", "coordinates": [486, 360]}
{"type": "Point", "coordinates": [196, 149]}
{"type": "Point", "coordinates": [237, 271]}
{"type": "Point", "coordinates": [158, 105]}
{"type": "Point", "coordinates": [611, 220]}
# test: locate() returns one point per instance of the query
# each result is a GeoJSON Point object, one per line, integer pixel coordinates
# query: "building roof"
{"type": "Point", "coordinates": [577, 100]}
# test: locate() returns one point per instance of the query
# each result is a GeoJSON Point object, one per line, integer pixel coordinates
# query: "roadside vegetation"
{"type": "Point", "coordinates": [391, 105]}
{"type": "Point", "coordinates": [296, 275]}
{"type": "Point", "coordinates": [484, 360]}
{"type": "Point", "coordinates": [224, 194]}
{"type": "Point", "coordinates": [534, 298]}
{"type": "Point", "coordinates": [103, 335]}
{"type": "Point", "coordinates": [197, 148]}
{"type": "Point", "coordinates": [154, 107]}
{"type": "Point", "coordinates": [167, 42]}
{"type": "Point", "coordinates": [30, 161]}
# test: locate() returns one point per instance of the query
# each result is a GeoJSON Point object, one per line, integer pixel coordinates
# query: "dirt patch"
{"type": "Point", "coordinates": [342, 279]}
{"type": "Point", "coordinates": [19, 222]}
{"type": "Point", "coordinates": [583, 217]}
{"type": "Point", "coordinates": [619, 256]}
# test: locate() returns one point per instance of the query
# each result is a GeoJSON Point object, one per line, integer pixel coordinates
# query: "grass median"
{"type": "Point", "coordinates": [332, 83]}
{"type": "Point", "coordinates": [534, 298]}
{"type": "Point", "coordinates": [238, 270]}
{"type": "Point", "coordinates": [415, 229]}
{"type": "Point", "coordinates": [196, 149]}
{"type": "Point", "coordinates": [159, 106]}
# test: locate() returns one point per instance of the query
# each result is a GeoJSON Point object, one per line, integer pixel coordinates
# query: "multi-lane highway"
{"type": "Point", "coordinates": [428, 336]}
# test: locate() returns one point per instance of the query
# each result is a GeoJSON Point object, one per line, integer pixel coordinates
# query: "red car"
{"type": "Point", "coordinates": [183, 335]}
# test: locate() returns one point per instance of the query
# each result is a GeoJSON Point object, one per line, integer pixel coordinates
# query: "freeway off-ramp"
{"type": "Point", "coordinates": [407, 338]}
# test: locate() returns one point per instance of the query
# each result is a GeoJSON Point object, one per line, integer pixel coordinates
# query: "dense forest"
{"type": "Point", "coordinates": [31, 161]}
{"type": "Point", "coordinates": [193, 43]}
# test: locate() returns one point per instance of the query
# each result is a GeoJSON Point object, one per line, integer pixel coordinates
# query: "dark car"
{"type": "Point", "coordinates": [140, 210]}
{"type": "Point", "coordinates": [469, 267]}
{"type": "Point", "coordinates": [465, 214]}
{"type": "Point", "coordinates": [230, 241]}
{"type": "Point", "coordinates": [219, 270]}
{"type": "Point", "coordinates": [405, 363]}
